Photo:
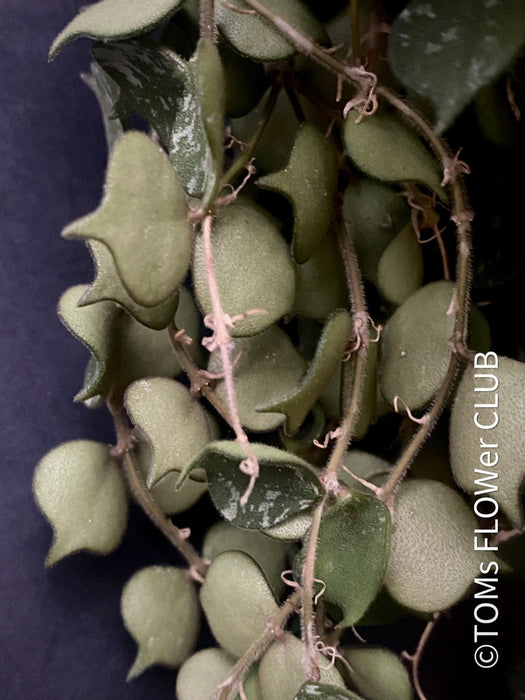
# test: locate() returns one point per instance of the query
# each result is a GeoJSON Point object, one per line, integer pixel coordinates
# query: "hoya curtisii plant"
{"type": "Point", "coordinates": [279, 172]}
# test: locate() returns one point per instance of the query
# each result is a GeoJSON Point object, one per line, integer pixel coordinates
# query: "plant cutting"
{"type": "Point", "coordinates": [282, 329]}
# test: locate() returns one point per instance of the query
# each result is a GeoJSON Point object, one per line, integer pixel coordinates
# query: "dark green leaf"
{"type": "Point", "coordinates": [321, 691]}
{"type": "Point", "coordinates": [106, 92]}
{"type": "Point", "coordinates": [245, 81]}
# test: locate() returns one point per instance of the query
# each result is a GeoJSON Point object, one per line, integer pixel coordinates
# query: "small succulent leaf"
{"type": "Point", "coordinates": [400, 268]}
{"type": "Point", "coordinates": [253, 267]}
{"type": "Point", "coordinates": [200, 675]}
{"type": "Point", "coordinates": [309, 182]}
{"type": "Point", "coordinates": [322, 691]}
{"type": "Point", "coordinates": [302, 444]}
{"type": "Point", "coordinates": [446, 51]}
{"type": "Point", "coordinates": [431, 541]}
{"type": "Point", "coordinates": [365, 465]}
{"type": "Point", "coordinates": [375, 213]}
{"type": "Point", "coordinates": [378, 673]}
{"type": "Point", "coordinates": [246, 81]}
{"type": "Point", "coordinates": [292, 530]}
{"type": "Point", "coordinates": [111, 20]}
{"type": "Point", "coordinates": [157, 84]}
{"type": "Point", "coordinates": [142, 219]}
{"type": "Point", "coordinates": [171, 419]}
{"type": "Point", "coordinates": [286, 485]}
{"type": "Point", "coordinates": [268, 365]}
{"type": "Point", "coordinates": [237, 601]}
{"type": "Point", "coordinates": [384, 148]}
{"type": "Point", "coordinates": [80, 490]}
{"type": "Point", "coordinates": [503, 385]}
{"type": "Point", "coordinates": [253, 36]}
{"type": "Point", "coordinates": [368, 412]}
{"type": "Point", "coordinates": [352, 554]}
{"type": "Point", "coordinates": [415, 347]}
{"type": "Point", "coordinates": [330, 349]}
{"type": "Point", "coordinates": [160, 610]}
{"type": "Point", "coordinates": [281, 672]}
{"type": "Point", "coordinates": [270, 554]}
{"type": "Point", "coordinates": [95, 326]}
{"type": "Point", "coordinates": [106, 91]}
{"type": "Point", "coordinates": [108, 285]}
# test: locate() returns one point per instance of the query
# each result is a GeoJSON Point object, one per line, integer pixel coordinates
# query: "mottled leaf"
{"type": "Point", "coordinates": [253, 267]}
{"type": "Point", "coordinates": [330, 349]}
{"type": "Point", "coordinates": [111, 20]}
{"type": "Point", "coordinates": [160, 609]}
{"type": "Point", "coordinates": [309, 182]}
{"type": "Point", "coordinates": [447, 50]}
{"type": "Point", "coordinates": [79, 488]}
{"type": "Point", "coordinates": [106, 92]}
{"type": "Point", "coordinates": [322, 691]}
{"type": "Point", "coordinates": [142, 220]}
{"type": "Point", "coordinates": [378, 673]}
{"type": "Point", "coordinates": [400, 268]}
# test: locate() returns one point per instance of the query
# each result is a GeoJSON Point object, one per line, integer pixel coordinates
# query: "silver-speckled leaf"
{"type": "Point", "coordinates": [106, 91]}
{"type": "Point", "coordinates": [322, 691]}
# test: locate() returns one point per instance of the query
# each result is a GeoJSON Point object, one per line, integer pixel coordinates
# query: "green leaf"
{"type": "Point", "coordinates": [111, 20]}
{"type": "Point", "coordinates": [237, 601]}
{"type": "Point", "coordinates": [268, 365]}
{"type": "Point", "coordinates": [432, 542]}
{"type": "Point", "coordinates": [172, 420]}
{"type": "Point", "coordinates": [200, 675]}
{"type": "Point", "coordinates": [366, 466]}
{"type": "Point", "coordinates": [79, 488]}
{"type": "Point", "coordinates": [253, 267]}
{"type": "Point", "coordinates": [400, 268]}
{"type": "Point", "coordinates": [352, 554]}
{"type": "Point", "coordinates": [106, 92]}
{"type": "Point", "coordinates": [415, 346]}
{"type": "Point", "coordinates": [309, 182]}
{"type": "Point", "coordinates": [142, 220]}
{"type": "Point", "coordinates": [378, 673]}
{"type": "Point", "coordinates": [322, 691]}
{"type": "Point", "coordinates": [255, 37]}
{"type": "Point", "coordinates": [302, 443]}
{"type": "Point", "coordinates": [281, 672]}
{"type": "Point", "coordinates": [384, 148]}
{"type": "Point", "coordinates": [245, 81]}
{"type": "Point", "coordinates": [160, 609]}
{"type": "Point", "coordinates": [95, 327]}
{"type": "Point", "coordinates": [157, 84]}
{"type": "Point", "coordinates": [330, 349]}
{"type": "Point", "coordinates": [286, 484]}
{"type": "Point", "coordinates": [291, 530]}
{"type": "Point", "coordinates": [469, 460]}
{"type": "Point", "coordinates": [446, 50]}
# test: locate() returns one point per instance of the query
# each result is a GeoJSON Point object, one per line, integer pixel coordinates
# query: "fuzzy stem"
{"type": "Point", "coordinates": [415, 659]}
{"type": "Point", "coordinates": [207, 20]}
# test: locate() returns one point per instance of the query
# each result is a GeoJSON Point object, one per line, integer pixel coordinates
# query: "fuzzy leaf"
{"type": "Point", "coordinates": [253, 267]}
{"type": "Point", "coordinates": [111, 20]}
{"type": "Point", "coordinates": [200, 675]}
{"type": "Point", "coordinates": [255, 37]}
{"type": "Point", "coordinates": [503, 480]}
{"type": "Point", "coordinates": [286, 485]}
{"type": "Point", "coordinates": [321, 691]}
{"type": "Point", "coordinates": [365, 465]}
{"type": "Point", "coordinates": [384, 148]}
{"type": "Point", "coordinates": [268, 365]}
{"type": "Point", "coordinates": [80, 490]}
{"type": "Point", "coordinates": [246, 81]}
{"type": "Point", "coordinates": [378, 673]}
{"type": "Point", "coordinates": [237, 601]}
{"type": "Point", "coordinates": [106, 92]}
{"type": "Point", "coordinates": [291, 530]}
{"type": "Point", "coordinates": [447, 50]}
{"type": "Point", "coordinates": [142, 220]}
{"type": "Point", "coordinates": [352, 554]}
{"type": "Point", "coordinates": [400, 268]}
{"type": "Point", "coordinates": [330, 349]}
{"type": "Point", "coordinates": [160, 609]}
{"type": "Point", "coordinates": [95, 327]}
{"type": "Point", "coordinates": [432, 541]}
{"type": "Point", "coordinates": [157, 84]}
{"type": "Point", "coordinates": [173, 422]}
{"type": "Point", "coordinates": [308, 181]}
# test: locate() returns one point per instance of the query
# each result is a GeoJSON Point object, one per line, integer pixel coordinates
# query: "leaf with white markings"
{"type": "Point", "coordinates": [322, 691]}
{"type": "Point", "coordinates": [106, 92]}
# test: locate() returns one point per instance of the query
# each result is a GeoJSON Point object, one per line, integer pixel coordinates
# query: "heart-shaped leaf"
{"type": "Point", "coordinates": [378, 673]}
{"type": "Point", "coordinates": [286, 484]}
{"type": "Point", "coordinates": [160, 609]}
{"type": "Point", "coordinates": [255, 37]}
{"type": "Point", "coordinates": [110, 20]}
{"type": "Point", "coordinates": [237, 601]}
{"type": "Point", "coordinates": [80, 490]}
{"type": "Point", "coordinates": [309, 182]}
{"type": "Point", "coordinates": [201, 674]}
{"type": "Point", "coordinates": [432, 541]}
{"type": "Point", "coordinates": [268, 365]}
{"type": "Point", "coordinates": [173, 422]}
{"type": "Point", "coordinates": [446, 50]}
{"type": "Point", "coordinates": [497, 471]}
{"type": "Point", "coordinates": [322, 691]}
{"type": "Point", "coordinates": [330, 349]}
{"type": "Point", "coordinates": [400, 268]}
{"type": "Point", "coordinates": [352, 554]}
{"type": "Point", "coordinates": [106, 91]}
{"type": "Point", "coordinates": [384, 148]}
{"type": "Point", "coordinates": [253, 267]}
{"type": "Point", "coordinates": [142, 220]}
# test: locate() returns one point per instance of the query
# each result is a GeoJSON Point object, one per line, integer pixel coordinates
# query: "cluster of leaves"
{"type": "Point", "coordinates": [275, 279]}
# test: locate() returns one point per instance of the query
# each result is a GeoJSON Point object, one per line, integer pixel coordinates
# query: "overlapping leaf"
{"type": "Point", "coordinates": [378, 673]}
{"type": "Point", "coordinates": [322, 691]}
{"type": "Point", "coordinates": [106, 92]}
